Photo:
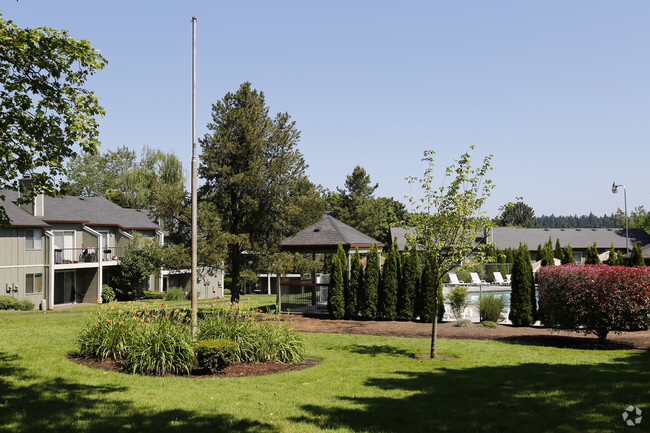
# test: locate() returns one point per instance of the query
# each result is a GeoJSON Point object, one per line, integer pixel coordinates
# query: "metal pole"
{"type": "Point", "coordinates": [194, 180]}
{"type": "Point", "coordinates": [627, 234]}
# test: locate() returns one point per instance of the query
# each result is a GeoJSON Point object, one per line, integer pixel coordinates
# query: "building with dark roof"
{"type": "Point", "coordinates": [62, 250]}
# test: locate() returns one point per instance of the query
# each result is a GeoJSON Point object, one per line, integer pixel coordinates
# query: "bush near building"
{"type": "Point", "coordinates": [595, 298]}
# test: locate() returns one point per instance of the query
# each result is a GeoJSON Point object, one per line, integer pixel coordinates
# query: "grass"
{"type": "Point", "coordinates": [364, 383]}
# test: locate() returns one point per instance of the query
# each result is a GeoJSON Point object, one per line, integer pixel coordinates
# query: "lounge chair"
{"type": "Point", "coordinates": [503, 317]}
{"type": "Point", "coordinates": [498, 278]}
{"type": "Point", "coordinates": [467, 314]}
{"type": "Point", "coordinates": [508, 278]}
{"type": "Point", "coordinates": [449, 314]}
{"type": "Point", "coordinates": [476, 280]}
{"type": "Point", "coordinates": [453, 279]}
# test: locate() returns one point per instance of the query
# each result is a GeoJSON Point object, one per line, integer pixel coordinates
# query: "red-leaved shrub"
{"type": "Point", "coordinates": [595, 298]}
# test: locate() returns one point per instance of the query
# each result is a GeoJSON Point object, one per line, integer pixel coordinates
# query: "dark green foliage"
{"type": "Point", "coordinates": [139, 261]}
{"type": "Point", "coordinates": [592, 256]}
{"type": "Point", "coordinates": [327, 263]}
{"type": "Point", "coordinates": [343, 258]}
{"type": "Point", "coordinates": [501, 260]}
{"type": "Point", "coordinates": [613, 257]}
{"type": "Point", "coordinates": [517, 214]}
{"type": "Point", "coordinates": [567, 257]}
{"type": "Point", "coordinates": [546, 253]}
{"type": "Point", "coordinates": [25, 305]}
{"type": "Point", "coordinates": [371, 285]}
{"type": "Point", "coordinates": [354, 287]}
{"type": "Point", "coordinates": [388, 288]}
{"type": "Point", "coordinates": [559, 252]}
{"type": "Point", "coordinates": [458, 301]}
{"type": "Point", "coordinates": [510, 258]}
{"type": "Point", "coordinates": [636, 256]}
{"type": "Point", "coordinates": [335, 300]}
{"type": "Point", "coordinates": [410, 283]}
{"type": "Point", "coordinates": [429, 290]}
{"type": "Point", "coordinates": [521, 311]}
{"type": "Point", "coordinates": [215, 355]}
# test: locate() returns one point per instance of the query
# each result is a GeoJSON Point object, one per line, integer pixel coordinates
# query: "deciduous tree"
{"type": "Point", "coordinates": [48, 114]}
{"type": "Point", "coordinates": [449, 218]}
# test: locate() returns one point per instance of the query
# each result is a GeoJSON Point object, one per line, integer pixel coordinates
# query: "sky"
{"type": "Point", "coordinates": [557, 91]}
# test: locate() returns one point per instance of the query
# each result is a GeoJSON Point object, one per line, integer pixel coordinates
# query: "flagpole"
{"type": "Point", "coordinates": [194, 180]}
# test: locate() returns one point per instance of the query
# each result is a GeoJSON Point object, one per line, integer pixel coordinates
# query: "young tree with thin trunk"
{"type": "Point", "coordinates": [449, 218]}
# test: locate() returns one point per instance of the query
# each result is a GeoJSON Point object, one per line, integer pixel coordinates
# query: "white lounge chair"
{"type": "Point", "coordinates": [503, 317]}
{"type": "Point", "coordinates": [498, 278]}
{"type": "Point", "coordinates": [449, 313]}
{"type": "Point", "coordinates": [476, 280]}
{"type": "Point", "coordinates": [508, 278]}
{"type": "Point", "coordinates": [467, 314]}
{"type": "Point", "coordinates": [453, 279]}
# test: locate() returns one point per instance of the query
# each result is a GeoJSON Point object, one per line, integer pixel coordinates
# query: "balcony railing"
{"type": "Point", "coordinates": [86, 255]}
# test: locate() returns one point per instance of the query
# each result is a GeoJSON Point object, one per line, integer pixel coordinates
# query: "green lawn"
{"type": "Point", "coordinates": [363, 384]}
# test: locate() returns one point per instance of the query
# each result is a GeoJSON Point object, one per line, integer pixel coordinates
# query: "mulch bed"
{"type": "Point", "coordinates": [527, 335]}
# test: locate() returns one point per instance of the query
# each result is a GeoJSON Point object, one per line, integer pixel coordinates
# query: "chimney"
{"type": "Point", "coordinates": [36, 207]}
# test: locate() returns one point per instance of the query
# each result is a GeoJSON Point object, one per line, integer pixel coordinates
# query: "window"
{"type": "Point", "coordinates": [33, 283]}
{"type": "Point", "coordinates": [33, 239]}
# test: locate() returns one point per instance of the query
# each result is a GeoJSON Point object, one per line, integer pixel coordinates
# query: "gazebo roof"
{"type": "Point", "coordinates": [325, 236]}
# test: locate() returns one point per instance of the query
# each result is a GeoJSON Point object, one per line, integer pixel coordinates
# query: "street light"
{"type": "Point", "coordinates": [614, 191]}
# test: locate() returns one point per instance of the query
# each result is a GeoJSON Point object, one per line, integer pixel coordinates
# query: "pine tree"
{"type": "Point", "coordinates": [592, 255]}
{"type": "Point", "coordinates": [636, 256]}
{"type": "Point", "coordinates": [371, 284]}
{"type": "Point", "coordinates": [521, 313]}
{"type": "Point", "coordinates": [411, 281]}
{"type": "Point", "coordinates": [354, 287]}
{"type": "Point", "coordinates": [388, 288]}
{"type": "Point", "coordinates": [335, 299]}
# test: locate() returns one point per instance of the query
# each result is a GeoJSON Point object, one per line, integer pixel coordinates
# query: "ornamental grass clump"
{"type": "Point", "coordinates": [490, 306]}
{"type": "Point", "coordinates": [595, 298]}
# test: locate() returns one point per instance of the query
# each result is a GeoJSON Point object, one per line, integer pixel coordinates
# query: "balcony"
{"type": "Point", "coordinates": [68, 256]}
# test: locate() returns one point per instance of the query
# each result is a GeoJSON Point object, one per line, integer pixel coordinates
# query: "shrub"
{"type": "Point", "coordinates": [595, 298]}
{"type": "Point", "coordinates": [523, 287]}
{"type": "Point", "coordinates": [162, 347]}
{"type": "Point", "coordinates": [25, 305]}
{"type": "Point", "coordinates": [215, 355]}
{"type": "Point", "coordinates": [336, 290]}
{"type": "Point", "coordinates": [174, 294]}
{"type": "Point", "coordinates": [354, 287]}
{"type": "Point", "coordinates": [388, 287]}
{"type": "Point", "coordinates": [108, 294]}
{"type": "Point", "coordinates": [490, 306]}
{"type": "Point", "coordinates": [8, 302]}
{"type": "Point", "coordinates": [368, 299]}
{"type": "Point", "coordinates": [411, 280]}
{"type": "Point", "coordinates": [106, 334]}
{"type": "Point", "coordinates": [462, 322]}
{"type": "Point", "coordinates": [458, 300]}
{"type": "Point", "coordinates": [488, 324]}
{"type": "Point", "coordinates": [256, 341]}
{"type": "Point", "coordinates": [148, 294]}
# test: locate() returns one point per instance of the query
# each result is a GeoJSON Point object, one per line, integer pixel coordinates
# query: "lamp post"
{"type": "Point", "coordinates": [627, 237]}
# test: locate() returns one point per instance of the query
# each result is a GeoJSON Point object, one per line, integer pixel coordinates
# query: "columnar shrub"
{"type": "Point", "coordinates": [388, 288]}
{"type": "Point", "coordinates": [559, 252]}
{"type": "Point", "coordinates": [429, 290]}
{"type": "Point", "coordinates": [410, 282]}
{"type": "Point", "coordinates": [636, 256]}
{"type": "Point", "coordinates": [595, 298]}
{"type": "Point", "coordinates": [568, 255]}
{"type": "Point", "coordinates": [354, 286]}
{"type": "Point", "coordinates": [521, 312]}
{"type": "Point", "coordinates": [335, 299]}
{"type": "Point", "coordinates": [371, 284]}
{"type": "Point", "coordinates": [592, 256]}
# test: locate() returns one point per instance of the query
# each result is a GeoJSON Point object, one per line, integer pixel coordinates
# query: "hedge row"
{"type": "Point", "coordinates": [595, 298]}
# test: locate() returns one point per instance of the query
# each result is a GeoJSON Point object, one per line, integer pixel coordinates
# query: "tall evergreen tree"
{"type": "Point", "coordinates": [510, 259]}
{"type": "Point", "coordinates": [388, 293]}
{"type": "Point", "coordinates": [355, 287]}
{"type": "Point", "coordinates": [636, 256]}
{"type": "Point", "coordinates": [521, 313]}
{"type": "Point", "coordinates": [255, 176]}
{"type": "Point", "coordinates": [411, 282]}
{"type": "Point", "coordinates": [371, 284]}
{"type": "Point", "coordinates": [501, 260]}
{"type": "Point", "coordinates": [336, 300]}
{"type": "Point", "coordinates": [592, 255]}
{"type": "Point", "coordinates": [613, 256]}
{"type": "Point", "coordinates": [540, 254]}
{"type": "Point", "coordinates": [343, 258]}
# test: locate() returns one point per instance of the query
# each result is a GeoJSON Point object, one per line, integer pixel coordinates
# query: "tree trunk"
{"type": "Point", "coordinates": [434, 328]}
{"type": "Point", "coordinates": [236, 267]}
